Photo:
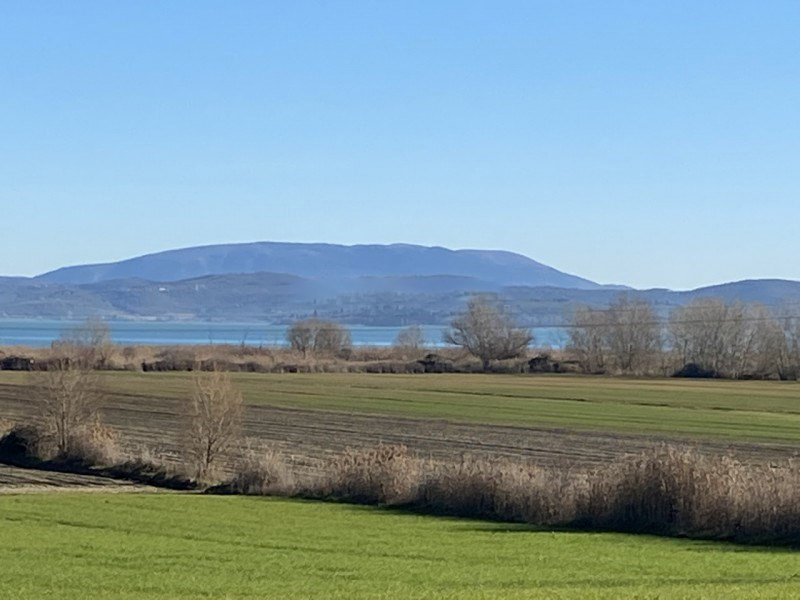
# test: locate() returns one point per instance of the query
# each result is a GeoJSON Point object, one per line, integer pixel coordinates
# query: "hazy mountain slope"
{"type": "Point", "coordinates": [212, 297]}
{"type": "Point", "coordinates": [324, 260]}
{"type": "Point", "coordinates": [543, 304]}
{"type": "Point", "coordinates": [769, 292]}
{"type": "Point", "coordinates": [13, 280]}
{"type": "Point", "coordinates": [365, 300]}
{"type": "Point", "coordinates": [371, 284]}
{"type": "Point", "coordinates": [276, 296]}
{"type": "Point", "coordinates": [31, 299]}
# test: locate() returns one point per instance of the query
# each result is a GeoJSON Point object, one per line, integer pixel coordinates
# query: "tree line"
{"type": "Point", "coordinates": [484, 330]}
{"type": "Point", "coordinates": [705, 338]}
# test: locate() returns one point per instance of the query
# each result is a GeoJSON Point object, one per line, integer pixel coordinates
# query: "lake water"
{"type": "Point", "coordinates": [41, 332]}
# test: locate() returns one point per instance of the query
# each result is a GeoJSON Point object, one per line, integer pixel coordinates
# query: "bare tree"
{"type": "Point", "coordinates": [68, 402]}
{"type": "Point", "coordinates": [410, 338]}
{"type": "Point", "coordinates": [697, 333]}
{"type": "Point", "coordinates": [633, 334]}
{"type": "Point", "coordinates": [779, 340]}
{"type": "Point", "coordinates": [300, 336]}
{"type": "Point", "coordinates": [213, 422]}
{"type": "Point", "coordinates": [332, 339]}
{"type": "Point", "coordinates": [791, 362]}
{"type": "Point", "coordinates": [487, 332]}
{"type": "Point", "coordinates": [89, 343]}
{"type": "Point", "coordinates": [717, 336]}
{"type": "Point", "coordinates": [770, 352]}
{"type": "Point", "coordinates": [587, 339]}
{"type": "Point", "coordinates": [318, 336]}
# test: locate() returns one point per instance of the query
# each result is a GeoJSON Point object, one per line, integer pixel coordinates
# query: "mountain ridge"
{"type": "Point", "coordinates": [391, 301]}
{"type": "Point", "coordinates": [318, 260]}
{"type": "Point", "coordinates": [394, 284]}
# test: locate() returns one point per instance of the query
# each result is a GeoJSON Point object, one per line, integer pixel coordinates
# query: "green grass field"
{"type": "Point", "coordinates": [190, 546]}
{"type": "Point", "coordinates": [744, 410]}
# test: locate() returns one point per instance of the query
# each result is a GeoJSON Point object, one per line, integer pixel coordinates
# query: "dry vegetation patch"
{"type": "Point", "coordinates": [667, 490]}
{"type": "Point", "coordinates": [261, 471]}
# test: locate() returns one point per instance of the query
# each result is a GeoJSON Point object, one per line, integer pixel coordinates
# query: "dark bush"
{"type": "Point", "coordinates": [433, 363]}
{"type": "Point", "coordinates": [17, 363]}
{"type": "Point", "coordinates": [543, 363]}
{"type": "Point", "coordinates": [20, 445]}
{"type": "Point", "coordinates": [695, 371]}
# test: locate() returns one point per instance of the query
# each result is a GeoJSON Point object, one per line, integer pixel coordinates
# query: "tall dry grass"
{"type": "Point", "coordinates": [381, 475]}
{"type": "Point", "coordinates": [94, 444]}
{"type": "Point", "coordinates": [668, 490]}
{"type": "Point", "coordinates": [261, 471]}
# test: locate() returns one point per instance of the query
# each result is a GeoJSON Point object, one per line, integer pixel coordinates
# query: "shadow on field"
{"type": "Point", "coordinates": [471, 525]}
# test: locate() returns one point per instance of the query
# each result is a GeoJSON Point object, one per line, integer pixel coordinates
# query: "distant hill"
{"type": "Point", "coordinates": [392, 301]}
{"type": "Point", "coordinates": [769, 292]}
{"type": "Point", "coordinates": [257, 296]}
{"type": "Point", "coordinates": [545, 304]}
{"type": "Point", "coordinates": [324, 260]}
{"type": "Point", "coordinates": [392, 285]}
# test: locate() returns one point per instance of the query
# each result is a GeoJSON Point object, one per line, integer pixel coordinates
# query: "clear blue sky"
{"type": "Point", "coordinates": [639, 142]}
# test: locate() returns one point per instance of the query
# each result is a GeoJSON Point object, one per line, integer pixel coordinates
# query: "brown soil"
{"type": "Point", "coordinates": [307, 436]}
{"type": "Point", "coordinates": [14, 480]}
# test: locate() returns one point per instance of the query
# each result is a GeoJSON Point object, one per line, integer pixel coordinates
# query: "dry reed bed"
{"type": "Point", "coordinates": [668, 490]}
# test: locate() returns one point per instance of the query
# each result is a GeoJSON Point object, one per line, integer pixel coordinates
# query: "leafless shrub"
{"type": "Point", "coordinates": [212, 422]}
{"type": "Point", "coordinates": [410, 341]}
{"type": "Point", "coordinates": [68, 401]}
{"type": "Point", "coordinates": [129, 353]}
{"type": "Point", "coordinates": [93, 445]}
{"type": "Point", "coordinates": [88, 344]}
{"type": "Point", "coordinates": [318, 337]}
